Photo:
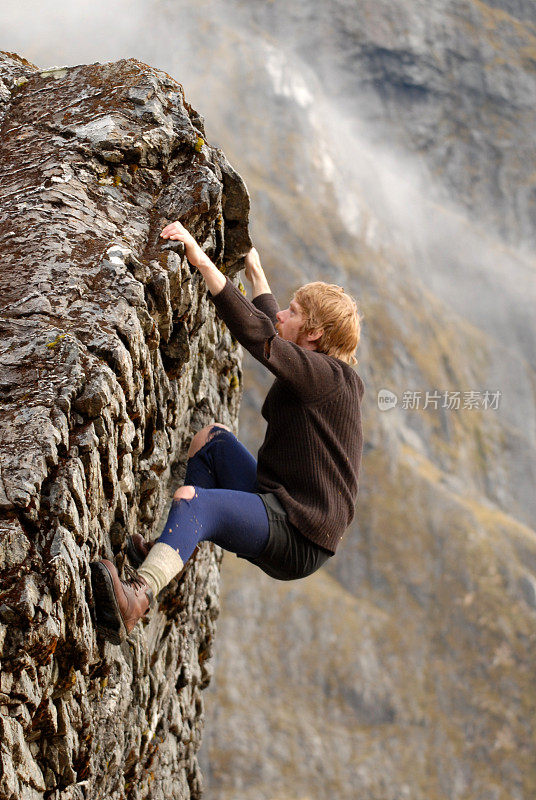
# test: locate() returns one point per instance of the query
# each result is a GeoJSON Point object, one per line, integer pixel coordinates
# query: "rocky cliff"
{"type": "Point", "coordinates": [110, 357]}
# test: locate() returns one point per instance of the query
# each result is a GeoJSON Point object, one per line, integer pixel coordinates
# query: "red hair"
{"type": "Point", "coordinates": [327, 306]}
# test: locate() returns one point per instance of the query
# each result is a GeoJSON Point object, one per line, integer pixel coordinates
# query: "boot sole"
{"type": "Point", "coordinates": [133, 554]}
{"type": "Point", "coordinates": [109, 620]}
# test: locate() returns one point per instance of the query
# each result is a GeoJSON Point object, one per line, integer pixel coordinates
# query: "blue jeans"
{"type": "Point", "coordinates": [225, 508]}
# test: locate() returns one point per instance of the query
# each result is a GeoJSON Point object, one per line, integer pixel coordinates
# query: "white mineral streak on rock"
{"type": "Point", "coordinates": [102, 129]}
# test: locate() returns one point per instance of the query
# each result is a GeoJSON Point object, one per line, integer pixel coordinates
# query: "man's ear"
{"type": "Point", "coordinates": [314, 335]}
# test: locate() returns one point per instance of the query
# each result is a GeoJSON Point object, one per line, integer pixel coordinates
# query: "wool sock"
{"type": "Point", "coordinates": [160, 566]}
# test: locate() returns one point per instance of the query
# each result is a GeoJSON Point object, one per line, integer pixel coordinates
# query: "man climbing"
{"type": "Point", "coordinates": [286, 512]}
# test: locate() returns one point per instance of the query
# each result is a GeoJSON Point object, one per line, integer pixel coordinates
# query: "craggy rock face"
{"type": "Point", "coordinates": [110, 357]}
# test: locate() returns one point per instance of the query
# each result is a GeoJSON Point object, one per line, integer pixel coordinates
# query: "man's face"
{"type": "Point", "coordinates": [289, 324]}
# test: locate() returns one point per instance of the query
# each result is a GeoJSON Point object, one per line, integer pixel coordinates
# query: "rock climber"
{"type": "Point", "coordinates": [287, 511]}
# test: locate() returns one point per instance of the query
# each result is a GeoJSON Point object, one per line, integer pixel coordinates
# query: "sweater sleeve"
{"type": "Point", "coordinates": [268, 304]}
{"type": "Point", "coordinates": [309, 374]}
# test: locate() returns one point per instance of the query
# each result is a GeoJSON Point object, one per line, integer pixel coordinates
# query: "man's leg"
{"type": "Point", "coordinates": [240, 525]}
{"type": "Point", "coordinates": [237, 521]}
{"type": "Point", "coordinates": [216, 460]}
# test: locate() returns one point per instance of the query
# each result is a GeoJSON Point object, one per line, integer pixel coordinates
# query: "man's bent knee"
{"type": "Point", "coordinates": [184, 493]}
{"type": "Point", "coordinates": [203, 436]}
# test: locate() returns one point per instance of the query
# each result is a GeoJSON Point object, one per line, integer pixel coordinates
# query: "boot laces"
{"type": "Point", "coordinates": [133, 578]}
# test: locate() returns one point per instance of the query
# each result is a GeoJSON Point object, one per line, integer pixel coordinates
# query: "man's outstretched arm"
{"type": "Point", "coordinates": [309, 374]}
{"type": "Point", "coordinates": [255, 274]}
{"type": "Point", "coordinates": [214, 279]}
{"type": "Point", "coordinates": [262, 296]}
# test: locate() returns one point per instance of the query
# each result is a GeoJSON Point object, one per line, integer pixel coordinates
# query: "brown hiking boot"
{"type": "Point", "coordinates": [118, 604]}
{"type": "Point", "coordinates": [137, 549]}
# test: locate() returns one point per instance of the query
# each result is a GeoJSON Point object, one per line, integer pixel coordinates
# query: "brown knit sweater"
{"type": "Point", "coordinates": [311, 453]}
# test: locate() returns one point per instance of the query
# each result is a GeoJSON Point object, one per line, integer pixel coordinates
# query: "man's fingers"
{"type": "Point", "coordinates": [173, 227]}
{"type": "Point", "coordinates": [173, 235]}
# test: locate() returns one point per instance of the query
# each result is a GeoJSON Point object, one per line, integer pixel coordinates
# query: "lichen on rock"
{"type": "Point", "coordinates": [110, 358]}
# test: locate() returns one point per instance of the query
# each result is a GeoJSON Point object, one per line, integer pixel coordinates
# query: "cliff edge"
{"type": "Point", "coordinates": [110, 358]}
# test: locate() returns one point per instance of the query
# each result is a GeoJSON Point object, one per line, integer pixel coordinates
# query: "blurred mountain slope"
{"type": "Point", "coordinates": [452, 80]}
{"type": "Point", "coordinates": [441, 555]}
{"type": "Point", "coordinates": [433, 549]}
